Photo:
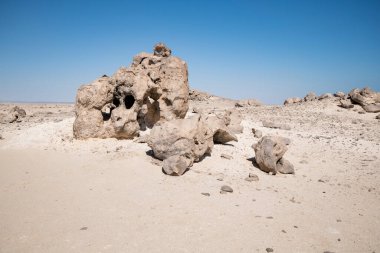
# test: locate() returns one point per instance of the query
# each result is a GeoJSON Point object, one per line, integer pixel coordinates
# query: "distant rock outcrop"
{"type": "Point", "coordinates": [367, 98]}
{"type": "Point", "coordinates": [15, 114]}
{"type": "Point", "coordinates": [154, 88]}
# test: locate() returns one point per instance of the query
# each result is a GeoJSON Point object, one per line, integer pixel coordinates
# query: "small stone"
{"type": "Point", "coordinates": [206, 194]}
{"type": "Point", "coordinates": [269, 250]}
{"type": "Point", "coordinates": [226, 188]}
{"type": "Point", "coordinates": [252, 177]}
{"type": "Point", "coordinates": [225, 156]}
{"type": "Point", "coordinates": [1, 137]}
{"type": "Point", "coordinates": [303, 162]}
{"type": "Point", "coordinates": [258, 134]}
{"type": "Point", "coordinates": [83, 228]}
{"type": "Point", "coordinates": [378, 116]}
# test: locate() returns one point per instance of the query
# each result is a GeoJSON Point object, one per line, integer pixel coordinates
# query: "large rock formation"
{"type": "Point", "coordinates": [180, 143]}
{"type": "Point", "coordinates": [367, 98]}
{"type": "Point", "coordinates": [154, 88]}
{"type": "Point", "coordinates": [269, 153]}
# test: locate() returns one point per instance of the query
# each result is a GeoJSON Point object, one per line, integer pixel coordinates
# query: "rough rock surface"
{"type": "Point", "coordinates": [310, 97]}
{"type": "Point", "coordinates": [219, 126]}
{"type": "Point", "coordinates": [154, 88]}
{"type": "Point", "coordinates": [292, 101]}
{"type": "Point", "coordinates": [197, 95]}
{"type": "Point", "coordinates": [15, 114]}
{"type": "Point", "coordinates": [181, 142]}
{"type": "Point", "coordinates": [269, 153]}
{"type": "Point", "coordinates": [345, 103]}
{"type": "Point", "coordinates": [339, 94]}
{"type": "Point", "coordinates": [367, 98]}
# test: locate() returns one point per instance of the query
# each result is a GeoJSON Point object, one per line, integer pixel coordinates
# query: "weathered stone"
{"type": "Point", "coordinates": [269, 151]}
{"type": "Point", "coordinates": [346, 104]}
{"type": "Point", "coordinates": [284, 166]}
{"type": "Point", "coordinates": [310, 97]}
{"type": "Point", "coordinates": [154, 88]}
{"type": "Point", "coordinates": [247, 103]}
{"type": "Point", "coordinates": [372, 107]}
{"type": "Point", "coordinates": [276, 125]}
{"type": "Point", "coordinates": [187, 140]}
{"type": "Point", "coordinates": [325, 96]}
{"type": "Point", "coordinates": [226, 188]}
{"type": "Point", "coordinates": [15, 114]}
{"type": "Point", "coordinates": [219, 127]}
{"type": "Point", "coordinates": [365, 96]}
{"type": "Point", "coordinates": [340, 94]}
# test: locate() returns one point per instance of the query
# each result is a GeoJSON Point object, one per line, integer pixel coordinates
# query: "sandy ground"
{"type": "Point", "coordinates": [58, 194]}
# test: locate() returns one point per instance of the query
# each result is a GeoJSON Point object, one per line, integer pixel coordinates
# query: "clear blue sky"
{"type": "Point", "coordinates": [269, 50]}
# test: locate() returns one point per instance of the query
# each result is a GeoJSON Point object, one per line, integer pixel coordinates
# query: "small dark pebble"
{"type": "Point", "coordinates": [206, 194]}
{"type": "Point", "coordinates": [84, 228]}
{"type": "Point", "coordinates": [269, 249]}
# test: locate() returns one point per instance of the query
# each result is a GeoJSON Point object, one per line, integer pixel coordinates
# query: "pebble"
{"type": "Point", "coordinates": [252, 177]}
{"type": "Point", "coordinates": [206, 194]}
{"type": "Point", "coordinates": [269, 249]}
{"type": "Point", "coordinates": [226, 188]}
{"type": "Point", "coordinates": [225, 156]}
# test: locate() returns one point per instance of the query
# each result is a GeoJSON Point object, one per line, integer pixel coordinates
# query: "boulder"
{"type": "Point", "coordinates": [15, 114]}
{"type": "Point", "coordinates": [154, 88]}
{"type": "Point", "coordinates": [346, 104]}
{"type": "Point", "coordinates": [372, 107]}
{"type": "Point", "coordinates": [269, 152]}
{"type": "Point", "coordinates": [290, 101]}
{"type": "Point", "coordinates": [181, 142]}
{"type": "Point", "coordinates": [325, 96]}
{"type": "Point", "coordinates": [339, 94]}
{"type": "Point", "coordinates": [196, 95]}
{"type": "Point", "coordinates": [247, 103]}
{"type": "Point", "coordinates": [365, 96]}
{"type": "Point", "coordinates": [310, 97]}
{"type": "Point", "coordinates": [219, 127]}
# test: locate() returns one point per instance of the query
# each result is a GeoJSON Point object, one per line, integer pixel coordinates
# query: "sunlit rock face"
{"type": "Point", "coordinates": [154, 88]}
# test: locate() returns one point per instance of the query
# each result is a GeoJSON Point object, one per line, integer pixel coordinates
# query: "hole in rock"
{"type": "Point", "coordinates": [116, 102]}
{"type": "Point", "coordinates": [129, 101]}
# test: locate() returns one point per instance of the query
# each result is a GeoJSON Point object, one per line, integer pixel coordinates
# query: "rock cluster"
{"type": "Point", "coordinates": [14, 115]}
{"type": "Point", "coordinates": [269, 152]}
{"type": "Point", "coordinates": [154, 88]}
{"type": "Point", "coordinates": [368, 99]}
{"type": "Point", "coordinates": [181, 142]}
{"type": "Point", "coordinates": [308, 98]}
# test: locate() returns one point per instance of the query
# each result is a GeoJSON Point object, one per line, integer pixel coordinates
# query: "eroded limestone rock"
{"type": "Point", "coordinates": [181, 142]}
{"type": "Point", "coordinates": [154, 88]}
{"type": "Point", "coordinates": [15, 114]}
{"type": "Point", "coordinates": [269, 153]}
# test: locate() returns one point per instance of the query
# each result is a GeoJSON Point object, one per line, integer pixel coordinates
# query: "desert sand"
{"type": "Point", "coordinates": [60, 194]}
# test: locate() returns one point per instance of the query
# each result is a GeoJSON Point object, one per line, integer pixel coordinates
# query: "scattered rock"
{"type": "Point", "coordinates": [310, 97]}
{"type": "Point", "coordinates": [226, 188]}
{"type": "Point", "coordinates": [219, 127]}
{"type": "Point", "coordinates": [252, 177]}
{"type": "Point", "coordinates": [1, 137]}
{"type": "Point", "coordinates": [346, 104]}
{"type": "Point", "coordinates": [154, 88]}
{"type": "Point", "coordinates": [206, 194]}
{"type": "Point", "coordinates": [225, 156]}
{"type": "Point", "coordinates": [276, 125]}
{"type": "Point", "coordinates": [372, 108]}
{"type": "Point", "coordinates": [325, 96]}
{"type": "Point", "coordinates": [378, 116]}
{"type": "Point", "coordinates": [181, 142]}
{"type": "Point", "coordinates": [269, 152]}
{"type": "Point", "coordinates": [290, 101]}
{"type": "Point", "coordinates": [339, 94]}
{"type": "Point", "coordinates": [269, 250]}
{"type": "Point", "coordinates": [247, 103]}
{"type": "Point", "coordinates": [196, 95]}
